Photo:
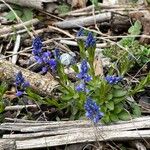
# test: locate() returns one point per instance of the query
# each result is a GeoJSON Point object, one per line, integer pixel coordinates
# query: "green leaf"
{"type": "Point", "coordinates": [109, 96]}
{"type": "Point", "coordinates": [110, 105]}
{"type": "Point", "coordinates": [116, 87]}
{"type": "Point", "coordinates": [113, 118]}
{"type": "Point", "coordinates": [118, 100]}
{"type": "Point", "coordinates": [136, 28]}
{"type": "Point", "coordinates": [3, 88]}
{"type": "Point", "coordinates": [10, 16]}
{"type": "Point", "coordinates": [124, 115]}
{"type": "Point", "coordinates": [63, 8]}
{"type": "Point", "coordinates": [119, 93]}
{"type": "Point", "coordinates": [94, 2]}
{"type": "Point", "coordinates": [144, 82]}
{"type": "Point", "coordinates": [105, 119]}
{"type": "Point", "coordinates": [52, 102]}
{"type": "Point", "coordinates": [103, 108]}
{"type": "Point", "coordinates": [33, 95]}
{"type": "Point", "coordinates": [136, 110]}
{"type": "Point", "coordinates": [27, 14]}
{"type": "Point", "coordinates": [2, 107]}
{"type": "Point", "coordinates": [66, 97]}
{"type": "Point", "coordinates": [118, 108]}
{"type": "Point", "coordinates": [76, 96]}
{"type": "Point", "coordinates": [2, 118]}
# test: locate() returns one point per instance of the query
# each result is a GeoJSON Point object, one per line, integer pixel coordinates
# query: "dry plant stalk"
{"type": "Point", "coordinates": [41, 84]}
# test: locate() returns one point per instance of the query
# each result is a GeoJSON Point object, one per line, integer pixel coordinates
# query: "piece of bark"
{"type": "Point", "coordinates": [63, 126]}
{"type": "Point", "coordinates": [146, 30]}
{"type": "Point", "coordinates": [19, 107]}
{"type": "Point", "coordinates": [18, 26]}
{"type": "Point", "coordinates": [81, 137]}
{"type": "Point", "coordinates": [39, 83]}
{"type": "Point", "coordinates": [6, 144]}
{"type": "Point", "coordinates": [119, 23]}
{"type": "Point", "coordinates": [83, 21]}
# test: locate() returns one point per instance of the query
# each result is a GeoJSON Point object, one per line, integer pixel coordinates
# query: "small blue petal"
{"type": "Point", "coordinates": [52, 63]}
{"type": "Point", "coordinates": [46, 57]}
{"type": "Point", "coordinates": [80, 32]}
{"type": "Point", "coordinates": [25, 85]}
{"type": "Point", "coordinates": [38, 59]}
{"type": "Point", "coordinates": [87, 78]}
{"type": "Point", "coordinates": [81, 87]}
{"type": "Point", "coordinates": [44, 70]}
{"type": "Point", "coordinates": [19, 93]}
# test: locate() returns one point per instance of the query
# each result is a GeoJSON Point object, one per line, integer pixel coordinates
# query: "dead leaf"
{"type": "Point", "coordinates": [77, 3]}
{"type": "Point", "coordinates": [98, 67]}
{"type": "Point", "coordinates": [10, 94]}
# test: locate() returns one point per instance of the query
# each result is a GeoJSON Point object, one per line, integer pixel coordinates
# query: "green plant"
{"type": "Point", "coordinates": [94, 2]}
{"type": "Point", "coordinates": [3, 88]}
{"type": "Point", "coordinates": [124, 60]}
{"type": "Point", "coordinates": [89, 93]}
{"type": "Point", "coordinates": [64, 8]}
{"type": "Point", "coordinates": [25, 14]}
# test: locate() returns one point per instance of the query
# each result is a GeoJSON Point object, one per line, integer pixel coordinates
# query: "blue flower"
{"type": "Point", "coordinates": [19, 78]}
{"type": "Point", "coordinates": [84, 66]}
{"type": "Point", "coordinates": [57, 53]}
{"type": "Point", "coordinates": [90, 41]}
{"type": "Point", "coordinates": [44, 69]}
{"type": "Point", "coordinates": [46, 57]}
{"type": "Point", "coordinates": [113, 79]}
{"type": "Point", "coordinates": [81, 88]}
{"type": "Point", "coordinates": [38, 59]}
{"type": "Point", "coordinates": [80, 32]}
{"type": "Point", "coordinates": [21, 84]}
{"type": "Point", "coordinates": [84, 72]}
{"type": "Point", "coordinates": [19, 93]}
{"type": "Point", "coordinates": [37, 44]}
{"type": "Point", "coordinates": [52, 64]}
{"type": "Point", "coordinates": [93, 111]}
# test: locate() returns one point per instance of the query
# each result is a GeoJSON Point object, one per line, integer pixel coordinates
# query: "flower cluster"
{"type": "Point", "coordinates": [80, 32]}
{"type": "Point", "coordinates": [93, 111]}
{"type": "Point", "coordinates": [44, 58]}
{"type": "Point", "coordinates": [21, 84]}
{"type": "Point", "coordinates": [90, 41]}
{"type": "Point", "coordinates": [84, 76]}
{"type": "Point", "coordinates": [113, 79]}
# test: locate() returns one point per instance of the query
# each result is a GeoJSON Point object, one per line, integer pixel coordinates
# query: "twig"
{"type": "Point", "coordinates": [61, 31]}
{"type": "Point", "coordinates": [16, 48]}
{"type": "Point", "coordinates": [74, 23]}
{"type": "Point", "coordinates": [19, 107]}
{"type": "Point", "coordinates": [18, 26]}
{"type": "Point", "coordinates": [74, 43]}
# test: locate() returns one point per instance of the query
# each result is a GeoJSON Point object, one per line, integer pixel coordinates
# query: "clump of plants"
{"type": "Point", "coordinates": [106, 98]}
